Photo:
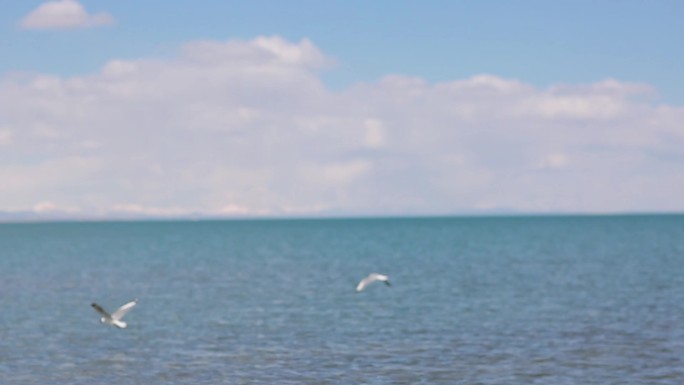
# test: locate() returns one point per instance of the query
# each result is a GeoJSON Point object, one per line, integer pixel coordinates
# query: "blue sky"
{"type": "Point", "coordinates": [540, 42]}
{"type": "Point", "coordinates": [268, 108]}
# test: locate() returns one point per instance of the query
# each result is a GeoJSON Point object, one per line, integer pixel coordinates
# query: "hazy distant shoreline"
{"type": "Point", "coordinates": [32, 217]}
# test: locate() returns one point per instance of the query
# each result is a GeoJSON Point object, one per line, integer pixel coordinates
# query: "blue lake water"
{"type": "Point", "coordinates": [517, 300]}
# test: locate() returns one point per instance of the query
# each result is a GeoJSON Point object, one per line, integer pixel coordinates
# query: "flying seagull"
{"type": "Point", "coordinates": [114, 319]}
{"type": "Point", "coordinates": [372, 278]}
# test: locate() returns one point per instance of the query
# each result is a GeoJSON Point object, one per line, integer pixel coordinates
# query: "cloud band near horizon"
{"type": "Point", "coordinates": [238, 128]}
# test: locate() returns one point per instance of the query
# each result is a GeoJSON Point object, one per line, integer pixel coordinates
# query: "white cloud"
{"type": "Point", "coordinates": [248, 128]}
{"type": "Point", "coordinates": [576, 107]}
{"type": "Point", "coordinates": [262, 51]}
{"type": "Point", "coordinates": [5, 137]}
{"type": "Point", "coordinates": [136, 210]}
{"type": "Point", "coordinates": [237, 210]}
{"type": "Point", "coordinates": [64, 14]}
{"type": "Point", "coordinates": [553, 162]}
{"type": "Point", "coordinates": [31, 177]}
{"type": "Point", "coordinates": [50, 207]}
{"type": "Point", "coordinates": [343, 173]}
{"type": "Point", "coordinates": [375, 133]}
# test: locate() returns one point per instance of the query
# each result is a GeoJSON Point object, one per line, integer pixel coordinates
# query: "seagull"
{"type": "Point", "coordinates": [370, 279]}
{"type": "Point", "coordinates": [114, 319]}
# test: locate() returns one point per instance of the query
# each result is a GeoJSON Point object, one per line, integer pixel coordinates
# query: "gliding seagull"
{"type": "Point", "coordinates": [370, 279]}
{"type": "Point", "coordinates": [114, 319]}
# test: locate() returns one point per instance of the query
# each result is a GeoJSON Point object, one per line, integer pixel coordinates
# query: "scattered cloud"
{"type": "Point", "coordinates": [133, 209]}
{"type": "Point", "coordinates": [5, 137]}
{"type": "Point", "coordinates": [247, 128]}
{"type": "Point", "coordinates": [375, 133]}
{"type": "Point", "coordinates": [553, 162]}
{"type": "Point", "coordinates": [50, 207]}
{"type": "Point", "coordinates": [64, 14]}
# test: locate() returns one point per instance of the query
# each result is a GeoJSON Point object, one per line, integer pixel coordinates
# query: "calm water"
{"type": "Point", "coordinates": [572, 300]}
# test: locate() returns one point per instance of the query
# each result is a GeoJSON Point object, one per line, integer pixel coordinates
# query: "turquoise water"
{"type": "Point", "coordinates": [547, 300]}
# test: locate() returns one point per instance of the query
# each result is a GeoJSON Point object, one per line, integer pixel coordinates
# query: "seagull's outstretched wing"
{"type": "Point", "coordinates": [102, 311]}
{"type": "Point", "coordinates": [370, 279]}
{"type": "Point", "coordinates": [362, 285]}
{"type": "Point", "coordinates": [120, 312]}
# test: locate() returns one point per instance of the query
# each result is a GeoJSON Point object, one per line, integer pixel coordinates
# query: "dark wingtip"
{"type": "Point", "coordinates": [388, 283]}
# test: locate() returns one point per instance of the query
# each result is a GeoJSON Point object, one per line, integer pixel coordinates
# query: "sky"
{"type": "Point", "coordinates": [340, 108]}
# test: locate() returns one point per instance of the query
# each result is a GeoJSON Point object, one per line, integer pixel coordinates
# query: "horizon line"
{"type": "Point", "coordinates": [33, 218]}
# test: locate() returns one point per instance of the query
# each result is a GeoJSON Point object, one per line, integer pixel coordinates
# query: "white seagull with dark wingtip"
{"type": "Point", "coordinates": [372, 278]}
{"type": "Point", "coordinates": [114, 319]}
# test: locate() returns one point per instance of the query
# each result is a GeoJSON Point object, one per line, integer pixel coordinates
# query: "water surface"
{"type": "Point", "coordinates": [545, 300]}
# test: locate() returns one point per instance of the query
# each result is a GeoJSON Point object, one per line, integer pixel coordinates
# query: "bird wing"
{"type": "Point", "coordinates": [362, 284]}
{"type": "Point", "coordinates": [379, 277]}
{"type": "Point", "coordinates": [120, 312]}
{"type": "Point", "coordinates": [102, 311]}
{"type": "Point", "coordinates": [370, 279]}
{"type": "Point", "coordinates": [365, 282]}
